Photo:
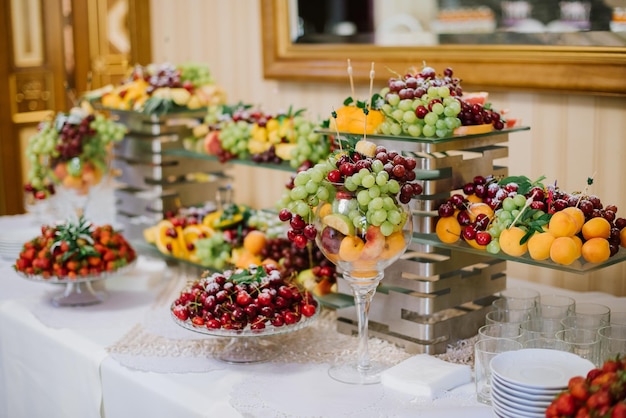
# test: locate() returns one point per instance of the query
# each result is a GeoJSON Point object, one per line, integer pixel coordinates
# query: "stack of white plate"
{"type": "Point", "coordinates": [11, 242]}
{"type": "Point", "coordinates": [525, 382]}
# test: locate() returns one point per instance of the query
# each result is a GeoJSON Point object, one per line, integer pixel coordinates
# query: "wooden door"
{"type": "Point", "coordinates": [50, 52]}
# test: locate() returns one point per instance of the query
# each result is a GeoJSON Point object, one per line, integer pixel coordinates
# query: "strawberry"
{"type": "Point", "coordinates": [578, 388]}
{"type": "Point", "coordinates": [599, 400]}
{"type": "Point", "coordinates": [619, 410]}
{"type": "Point", "coordinates": [612, 365]}
{"type": "Point", "coordinates": [566, 404]}
{"type": "Point", "coordinates": [583, 412]}
{"type": "Point", "coordinates": [21, 264]}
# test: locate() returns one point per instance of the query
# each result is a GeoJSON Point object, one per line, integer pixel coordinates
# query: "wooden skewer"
{"type": "Point", "coordinates": [334, 115]}
{"type": "Point", "coordinates": [351, 79]}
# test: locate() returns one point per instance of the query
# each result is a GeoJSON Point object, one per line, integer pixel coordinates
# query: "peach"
{"type": "Point", "coordinates": [255, 241]}
{"type": "Point", "coordinates": [477, 208]}
{"type": "Point", "coordinates": [350, 248]}
{"type": "Point", "coordinates": [374, 243]}
{"type": "Point", "coordinates": [448, 229]}
{"type": "Point", "coordinates": [578, 216]}
{"type": "Point", "coordinates": [562, 224]}
{"type": "Point", "coordinates": [564, 250]}
{"type": "Point", "coordinates": [60, 171]}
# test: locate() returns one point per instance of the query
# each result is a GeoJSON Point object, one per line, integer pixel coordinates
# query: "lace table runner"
{"type": "Point", "coordinates": [160, 345]}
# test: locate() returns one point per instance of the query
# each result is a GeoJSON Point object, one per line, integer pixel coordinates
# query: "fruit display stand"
{"type": "Point", "coordinates": [152, 182]}
{"type": "Point", "coordinates": [434, 296]}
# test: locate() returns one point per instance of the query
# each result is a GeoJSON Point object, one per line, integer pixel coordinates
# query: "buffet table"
{"type": "Point", "coordinates": [125, 357]}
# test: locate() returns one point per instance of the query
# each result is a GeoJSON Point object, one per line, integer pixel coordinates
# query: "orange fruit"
{"type": "Point", "coordinates": [539, 245]}
{"type": "Point", "coordinates": [562, 224]}
{"type": "Point", "coordinates": [596, 228]}
{"type": "Point", "coordinates": [510, 241]}
{"type": "Point", "coordinates": [564, 250]}
{"type": "Point", "coordinates": [622, 237]}
{"type": "Point", "coordinates": [596, 250]}
{"type": "Point", "coordinates": [448, 229]}
{"type": "Point", "coordinates": [255, 241]}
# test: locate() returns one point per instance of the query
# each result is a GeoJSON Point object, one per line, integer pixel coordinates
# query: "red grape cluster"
{"type": "Point", "coordinates": [267, 156]}
{"type": "Point", "coordinates": [71, 136]}
{"type": "Point", "coordinates": [477, 114]}
{"type": "Point", "coordinates": [295, 259]}
{"type": "Point", "coordinates": [165, 75]}
{"type": "Point", "coordinates": [416, 84]}
{"type": "Point", "coordinates": [235, 300]}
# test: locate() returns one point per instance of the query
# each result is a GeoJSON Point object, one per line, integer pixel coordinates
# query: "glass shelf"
{"type": "Point", "coordinates": [284, 166]}
{"type": "Point", "coordinates": [579, 266]}
{"type": "Point", "coordinates": [430, 145]}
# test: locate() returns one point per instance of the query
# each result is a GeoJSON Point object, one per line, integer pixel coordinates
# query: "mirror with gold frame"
{"type": "Point", "coordinates": [568, 69]}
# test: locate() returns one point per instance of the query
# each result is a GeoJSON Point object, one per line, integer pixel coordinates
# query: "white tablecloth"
{"type": "Point", "coordinates": [58, 362]}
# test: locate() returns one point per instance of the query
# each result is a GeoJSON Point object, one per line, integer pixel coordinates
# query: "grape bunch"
{"type": "Point", "coordinates": [421, 105]}
{"type": "Point", "coordinates": [250, 298]}
{"type": "Point", "coordinates": [213, 251]}
{"type": "Point", "coordinates": [310, 145]}
{"type": "Point", "coordinates": [379, 177]}
{"type": "Point", "coordinates": [73, 141]}
{"type": "Point", "coordinates": [424, 104]}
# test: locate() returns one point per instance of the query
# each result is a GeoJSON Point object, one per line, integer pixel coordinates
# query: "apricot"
{"type": "Point", "coordinates": [394, 244]}
{"type": "Point", "coordinates": [255, 241]}
{"type": "Point", "coordinates": [564, 250]}
{"type": "Point", "coordinates": [539, 245]}
{"type": "Point", "coordinates": [622, 237]}
{"type": "Point", "coordinates": [596, 250]}
{"type": "Point", "coordinates": [596, 228]}
{"type": "Point", "coordinates": [448, 229]}
{"type": "Point", "coordinates": [578, 216]}
{"type": "Point", "coordinates": [472, 243]}
{"type": "Point", "coordinates": [562, 224]}
{"type": "Point", "coordinates": [350, 248]}
{"type": "Point", "coordinates": [510, 241]}
{"type": "Point", "coordinates": [472, 198]}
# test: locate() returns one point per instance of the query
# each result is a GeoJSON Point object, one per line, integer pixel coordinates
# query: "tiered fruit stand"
{"type": "Point", "coordinates": [437, 293]}
{"type": "Point", "coordinates": [154, 182]}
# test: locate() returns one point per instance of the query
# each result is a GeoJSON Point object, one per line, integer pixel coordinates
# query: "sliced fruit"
{"type": "Point", "coordinates": [479, 97]}
{"type": "Point", "coordinates": [150, 234]}
{"type": "Point", "coordinates": [285, 151]}
{"type": "Point", "coordinates": [473, 129]}
{"type": "Point", "coordinates": [166, 240]}
{"type": "Point", "coordinates": [366, 148]}
{"type": "Point", "coordinates": [340, 223]}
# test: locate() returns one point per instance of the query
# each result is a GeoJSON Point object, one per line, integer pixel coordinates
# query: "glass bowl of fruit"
{"type": "Point", "coordinates": [245, 305]}
{"type": "Point", "coordinates": [71, 152]}
{"type": "Point", "coordinates": [355, 207]}
{"type": "Point", "coordinates": [75, 253]}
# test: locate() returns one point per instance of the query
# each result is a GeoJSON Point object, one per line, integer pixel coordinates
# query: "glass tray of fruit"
{"type": "Point", "coordinates": [243, 305]}
{"type": "Point", "coordinates": [517, 219]}
{"type": "Point", "coordinates": [161, 89]}
{"type": "Point", "coordinates": [423, 106]}
{"type": "Point", "coordinates": [75, 253]}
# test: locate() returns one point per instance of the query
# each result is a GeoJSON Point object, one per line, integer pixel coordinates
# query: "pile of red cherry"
{"type": "Point", "coordinates": [237, 299]}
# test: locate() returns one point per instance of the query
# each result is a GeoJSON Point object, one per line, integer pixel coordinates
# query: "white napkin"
{"type": "Point", "coordinates": [426, 376]}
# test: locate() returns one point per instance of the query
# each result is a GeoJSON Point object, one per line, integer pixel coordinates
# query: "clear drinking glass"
{"type": "Point", "coordinates": [484, 351]}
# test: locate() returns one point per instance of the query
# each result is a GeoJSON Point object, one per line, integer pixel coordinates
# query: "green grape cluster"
{"type": "Point", "coordinates": [433, 114]}
{"type": "Point", "coordinates": [213, 251]}
{"type": "Point", "coordinates": [197, 74]}
{"type": "Point", "coordinates": [268, 222]}
{"type": "Point", "coordinates": [234, 137]}
{"type": "Point", "coordinates": [310, 145]}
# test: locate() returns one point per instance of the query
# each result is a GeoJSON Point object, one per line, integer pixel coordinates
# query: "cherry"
{"type": "Point", "coordinates": [483, 238]}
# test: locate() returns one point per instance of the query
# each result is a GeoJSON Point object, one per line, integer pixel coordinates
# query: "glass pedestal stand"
{"type": "Point", "coordinates": [363, 371]}
{"type": "Point", "coordinates": [79, 294]}
{"type": "Point", "coordinates": [246, 350]}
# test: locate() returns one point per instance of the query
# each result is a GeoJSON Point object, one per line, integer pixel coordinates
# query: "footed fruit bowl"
{"type": "Point", "coordinates": [245, 305]}
{"type": "Point", "coordinates": [75, 253]}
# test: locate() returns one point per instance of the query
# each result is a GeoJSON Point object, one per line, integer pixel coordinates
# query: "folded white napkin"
{"type": "Point", "coordinates": [426, 376]}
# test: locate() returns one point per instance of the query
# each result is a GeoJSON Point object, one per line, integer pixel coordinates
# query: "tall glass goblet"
{"type": "Point", "coordinates": [362, 236]}
{"type": "Point", "coordinates": [77, 179]}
